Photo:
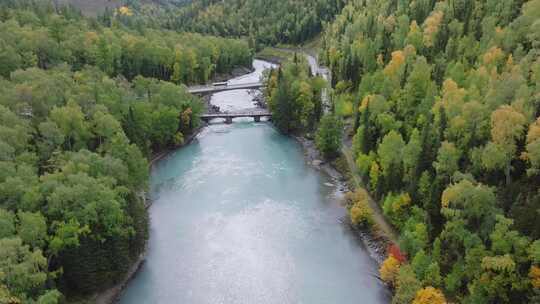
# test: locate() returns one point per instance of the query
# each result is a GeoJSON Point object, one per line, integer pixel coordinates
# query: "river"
{"type": "Point", "coordinates": [238, 217]}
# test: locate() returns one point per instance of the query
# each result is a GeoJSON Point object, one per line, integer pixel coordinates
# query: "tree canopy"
{"type": "Point", "coordinates": [445, 113]}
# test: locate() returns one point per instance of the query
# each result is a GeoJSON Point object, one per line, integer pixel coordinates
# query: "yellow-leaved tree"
{"type": "Point", "coordinates": [389, 270]}
{"type": "Point", "coordinates": [534, 275]}
{"type": "Point", "coordinates": [429, 295]}
{"type": "Point", "coordinates": [360, 213]}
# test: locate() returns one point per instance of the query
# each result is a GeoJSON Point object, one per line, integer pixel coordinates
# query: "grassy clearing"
{"type": "Point", "coordinates": [276, 55]}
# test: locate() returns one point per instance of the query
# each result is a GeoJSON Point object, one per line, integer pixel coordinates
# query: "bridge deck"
{"type": "Point", "coordinates": [229, 116]}
{"type": "Point", "coordinates": [214, 89]}
{"type": "Point", "coordinates": [238, 114]}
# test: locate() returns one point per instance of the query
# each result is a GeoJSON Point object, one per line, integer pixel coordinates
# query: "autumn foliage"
{"type": "Point", "coordinates": [394, 251]}
{"type": "Point", "coordinates": [429, 295]}
{"type": "Point", "coordinates": [534, 275]}
{"type": "Point", "coordinates": [448, 139]}
{"type": "Point", "coordinates": [389, 270]}
{"type": "Point", "coordinates": [360, 213]}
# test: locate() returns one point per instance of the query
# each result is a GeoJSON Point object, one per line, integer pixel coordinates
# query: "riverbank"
{"type": "Point", "coordinates": [111, 295]}
{"type": "Point", "coordinates": [382, 233]}
{"type": "Point", "coordinates": [187, 140]}
{"type": "Point", "coordinates": [236, 72]}
{"type": "Point", "coordinates": [375, 240]}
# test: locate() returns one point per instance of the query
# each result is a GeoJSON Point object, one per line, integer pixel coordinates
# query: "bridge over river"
{"type": "Point", "coordinates": [210, 89]}
{"type": "Point", "coordinates": [228, 116]}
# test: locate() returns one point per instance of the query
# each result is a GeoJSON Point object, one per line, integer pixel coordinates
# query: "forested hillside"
{"type": "Point", "coordinates": [265, 22]}
{"type": "Point", "coordinates": [445, 101]}
{"type": "Point", "coordinates": [98, 7]}
{"type": "Point", "coordinates": [82, 108]}
{"type": "Point", "coordinates": [41, 38]}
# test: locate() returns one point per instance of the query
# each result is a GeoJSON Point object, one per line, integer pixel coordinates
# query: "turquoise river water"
{"type": "Point", "coordinates": [239, 217]}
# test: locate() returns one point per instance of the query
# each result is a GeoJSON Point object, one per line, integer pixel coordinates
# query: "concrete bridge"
{"type": "Point", "coordinates": [230, 116]}
{"type": "Point", "coordinates": [210, 89]}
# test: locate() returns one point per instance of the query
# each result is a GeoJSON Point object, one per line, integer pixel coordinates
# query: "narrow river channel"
{"type": "Point", "coordinates": [238, 217]}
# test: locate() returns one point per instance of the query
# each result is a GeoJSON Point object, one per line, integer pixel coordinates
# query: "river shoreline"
{"type": "Point", "coordinates": [112, 295]}
{"type": "Point", "coordinates": [375, 242]}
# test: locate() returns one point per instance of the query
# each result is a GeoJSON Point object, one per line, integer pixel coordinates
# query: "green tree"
{"type": "Point", "coordinates": [447, 160]}
{"type": "Point", "coordinates": [7, 223]}
{"type": "Point", "coordinates": [329, 134]}
{"type": "Point", "coordinates": [390, 157]}
{"type": "Point", "coordinates": [32, 229]}
{"type": "Point", "coordinates": [24, 270]}
{"type": "Point", "coordinates": [407, 285]}
{"type": "Point", "coordinates": [71, 121]}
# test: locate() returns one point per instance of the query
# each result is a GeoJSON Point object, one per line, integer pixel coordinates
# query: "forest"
{"type": "Point", "coordinates": [37, 37]}
{"type": "Point", "coordinates": [444, 100]}
{"type": "Point", "coordinates": [84, 106]}
{"type": "Point", "coordinates": [261, 22]}
{"type": "Point", "coordinates": [439, 99]}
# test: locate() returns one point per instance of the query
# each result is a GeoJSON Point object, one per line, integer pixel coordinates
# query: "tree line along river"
{"type": "Point", "coordinates": [239, 217]}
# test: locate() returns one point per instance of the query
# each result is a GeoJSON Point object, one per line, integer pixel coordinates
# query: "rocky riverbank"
{"type": "Point", "coordinates": [237, 72]}
{"type": "Point", "coordinates": [375, 241]}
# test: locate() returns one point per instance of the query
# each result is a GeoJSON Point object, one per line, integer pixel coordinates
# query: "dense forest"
{"type": "Point", "coordinates": [41, 38]}
{"type": "Point", "coordinates": [294, 96]}
{"type": "Point", "coordinates": [441, 100]}
{"type": "Point", "coordinates": [444, 98]}
{"type": "Point", "coordinates": [83, 106]}
{"type": "Point", "coordinates": [263, 22]}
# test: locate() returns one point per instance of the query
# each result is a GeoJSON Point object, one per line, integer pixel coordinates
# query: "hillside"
{"type": "Point", "coordinates": [95, 7]}
{"type": "Point", "coordinates": [444, 102]}
{"type": "Point", "coordinates": [263, 22]}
